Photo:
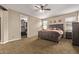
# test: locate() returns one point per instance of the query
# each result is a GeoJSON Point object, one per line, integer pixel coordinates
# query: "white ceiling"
{"type": "Point", "coordinates": [57, 9]}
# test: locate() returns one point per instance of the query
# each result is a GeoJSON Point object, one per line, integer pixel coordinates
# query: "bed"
{"type": "Point", "coordinates": [53, 33]}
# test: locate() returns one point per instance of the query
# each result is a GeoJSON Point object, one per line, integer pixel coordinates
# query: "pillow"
{"type": "Point", "coordinates": [54, 28]}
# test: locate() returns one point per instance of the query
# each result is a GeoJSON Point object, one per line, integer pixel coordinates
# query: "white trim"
{"type": "Point", "coordinates": [10, 41]}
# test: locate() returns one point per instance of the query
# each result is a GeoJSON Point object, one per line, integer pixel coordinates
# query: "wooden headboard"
{"type": "Point", "coordinates": [56, 26]}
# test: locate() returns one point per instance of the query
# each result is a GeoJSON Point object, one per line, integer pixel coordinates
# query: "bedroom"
{"type": "Point", "coordinates": [57, 17]}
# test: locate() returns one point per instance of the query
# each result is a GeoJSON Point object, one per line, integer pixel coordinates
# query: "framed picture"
{"type": "Point", "coordinates": [59, 20]}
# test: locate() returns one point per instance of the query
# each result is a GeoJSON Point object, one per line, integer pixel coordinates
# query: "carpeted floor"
{"type": "Point", "coordinates": [35, 46]}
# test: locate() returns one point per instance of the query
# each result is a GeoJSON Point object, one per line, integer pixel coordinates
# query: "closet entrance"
{"type": "Point", "coordinates": [24, 26]}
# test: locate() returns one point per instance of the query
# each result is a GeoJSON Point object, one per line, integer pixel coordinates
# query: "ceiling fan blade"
{"type": "Point", "coordinates": [37, 7]}
{"type": "Point", "coordinates": [47, 9]}
{"type": "Point", "coordinates": [1, 7]}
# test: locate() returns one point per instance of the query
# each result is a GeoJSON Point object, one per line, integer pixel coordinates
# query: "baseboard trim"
{"type": "Point", "coordinates": [10, 41]}
{"type": "Point", "coordinates": [15, 40]}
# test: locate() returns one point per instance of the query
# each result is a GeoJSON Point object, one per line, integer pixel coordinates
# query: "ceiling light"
{"type": "Point", "coordinates": [41, 10]}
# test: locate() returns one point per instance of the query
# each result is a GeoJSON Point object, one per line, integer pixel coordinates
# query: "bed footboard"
{"type": "Point", "coordinates": [52, 36]}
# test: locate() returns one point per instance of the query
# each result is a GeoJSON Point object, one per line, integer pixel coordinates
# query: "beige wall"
{"type": "Point", "coordinates": [4, 25]}
{"type": "Point", "coordinates": [14, 25]}
{"type": "Point", "coordinates": [34, 25]}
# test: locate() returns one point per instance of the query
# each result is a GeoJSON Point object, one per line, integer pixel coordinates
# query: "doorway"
{"type": "Point", "coordinates": [23, 26]}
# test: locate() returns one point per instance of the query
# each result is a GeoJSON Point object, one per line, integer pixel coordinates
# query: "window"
{"type": "Point", "coordinates": [68, 22]}
{"type": "Point", "coordinates": [71, 19]}
{"type": "Point", "coordinates": [45, 24]}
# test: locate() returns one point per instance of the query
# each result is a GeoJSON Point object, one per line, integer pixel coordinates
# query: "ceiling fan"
{"type": "Point", "coordinates": [42, 7]}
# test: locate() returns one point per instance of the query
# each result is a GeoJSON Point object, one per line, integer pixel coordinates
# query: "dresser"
{"type": "Point", "coordinates": [75, 33]}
